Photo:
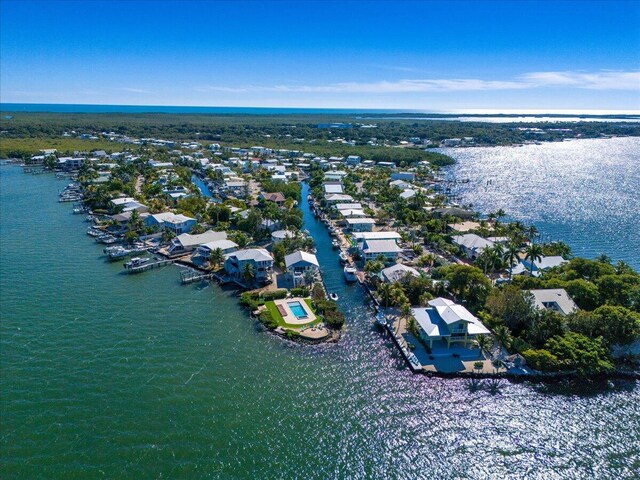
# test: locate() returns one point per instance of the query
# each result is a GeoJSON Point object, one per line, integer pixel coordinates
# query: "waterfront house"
{"type": "Point", "coordinates": [448, 322]}
{"type": "Point", "coordinates": [398, 272]}
{"type": "Point", "coordinates": [259, 258]}
{"type": "Point", "coordinates": [177, 223]}
{"type": "Point", "coordinates": [186, 242]}
{"type": "Point", "coordinates": [525, 265]}
{"type": "Point", "coordinates": [301, 266]}
{"type": "Point", "coordinates": [126, 204]}
{"type": "Point", "coordinates": [353, 160]}
{"type": "Point", "coordinates": [352, 213]}
{"type": "Point", "coordinates": [225, 245]}
{"type": "Point", "coordinates": [348, 206]}
{"type": "Point", "coordinates": [372, 249]}
{"type": "Point", "coordinates": [279, 236]}
{"type": "Point", "coordinates": [360, 224]}
{"type": "Point", "coordinates": [554, 299]}
{"type": "Point", "coordinates": [471, 244]}
{"type": "Point", "coordinates": [333, 187]}
{"type": "Point", "coordinates": [338, 197]}
{"type": "Point", "coordinates": [336, 175]}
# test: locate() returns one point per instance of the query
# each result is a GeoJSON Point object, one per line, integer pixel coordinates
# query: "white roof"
{"type": "Point", "coordinates": [398, 272]}
{"type": "Point", "coordinates": [357, 221]}
{"type": "Point", "coordinates": [359, 236]}
{"type": "Point", "coordinates": [282, 234]}
{"type": "Point", "coordinates": [300, 256]}
{"type": "Point", "coordinates": [188, 240]}
{"type": "Point", "coordinates": [348, 206]}
{"type": "Point", "coordinates": [380, 246]}
{"type": "Point", "coordinates": [435, 321]}
{"type": "Point", "coordinates": [472, 241]}
{"type": "Point", "coordinates": [122, 200]}
{"type": "Point", "coordinates": [171, 217]}
{"type": "Point", "coordinates": [545, 298]}
{"type": "Point", "coordinates": [352, 213]}
{"type": "Point", "coordinates": [333, 188]}
{"type": "Point", "coordinates": [335, 197]}
{"type": "Point", "coordinates": [223, 244]}
{"type": "Point", "coordinates": [408, 193]}
{"type": "Point", "coordinates": [255, 254]}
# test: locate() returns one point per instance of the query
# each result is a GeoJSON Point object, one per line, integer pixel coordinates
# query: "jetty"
{"type": "Point", "coordinates": [190, 276]}
{"type": "Point", "coordinates": [149, 266]}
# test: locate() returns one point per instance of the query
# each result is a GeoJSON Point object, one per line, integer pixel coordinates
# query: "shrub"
{"type": "Point", "coordinates": [300, 292]}
{"type": "Point", "coordinates": [542, 360]}
{"type": "Point", "coordinates": [267, 320]}
{"type": "Point", "coordinates": [274, 294]}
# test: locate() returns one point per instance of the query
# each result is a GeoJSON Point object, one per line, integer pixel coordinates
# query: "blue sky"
{"type": "Point", "coordinates": [433, 56]}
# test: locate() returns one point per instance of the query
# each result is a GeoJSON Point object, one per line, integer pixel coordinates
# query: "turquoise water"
{"type": "Point", "coordinates": [297, 309]}
{"type": "Point", "coordinates": [584, 192]}
{"type": "Point", "coordinates": [108, 375]}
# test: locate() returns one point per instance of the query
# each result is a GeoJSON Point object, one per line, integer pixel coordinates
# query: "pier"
{"type": "Point", "coordinates": [149, 266]}
{"type": "Point", "coordinates": [190, 276]}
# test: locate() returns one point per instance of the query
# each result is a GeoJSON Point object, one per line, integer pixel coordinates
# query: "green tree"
{"type": "Point", "coordinates": [615, 324]}
{"type": "Point", "coordinates": [468, 283]}
{"type": "Point", "coordinates": [582, 354]}
{"type": "Point", "coordinates": [217, 257]}
{"type": "Point", "coordinates": [483, 342]}
{"type": "Point", "coordinates": [249, 273]}
{"type": "Point", "coordinates": [533, 253]}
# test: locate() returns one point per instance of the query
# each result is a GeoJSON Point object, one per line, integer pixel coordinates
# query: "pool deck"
{"type": "Point", "coordinates": [288, 315]}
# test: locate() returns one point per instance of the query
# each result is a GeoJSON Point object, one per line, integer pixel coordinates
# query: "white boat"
{"type": "Point", "coordinates": [344, 258]}
{"type": "Point", "coordinates": [350, 273]}
{"type": "Point", "coordinates": [333, 296]}
{"type": "Point", "coordinates": [381, 319]}
{"type": "Point", "coordinates": [336, 243]}
{"type": "Point", "coordinates": [136, 262]}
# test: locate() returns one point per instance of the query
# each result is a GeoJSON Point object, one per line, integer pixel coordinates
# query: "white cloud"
{"type": "Point", "coordinates": [603, 80]}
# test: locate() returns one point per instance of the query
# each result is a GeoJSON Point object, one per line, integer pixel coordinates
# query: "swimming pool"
{"type": "Point", "coordinates": [297, 309]}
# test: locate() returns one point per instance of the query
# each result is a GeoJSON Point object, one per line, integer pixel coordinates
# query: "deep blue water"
{"type": "Point", "coordinates": [85, 108]}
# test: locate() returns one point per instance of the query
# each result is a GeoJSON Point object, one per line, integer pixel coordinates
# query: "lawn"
{"type": "Point", "coordinates": [273, 309]}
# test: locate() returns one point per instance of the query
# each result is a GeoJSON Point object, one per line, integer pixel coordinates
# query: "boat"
{"type": "Point", "coordinates": [381, 319]}
{"type": "Point", "coordinates": [334, 296]}
{"type": "Point", "coordinates": [136, 262]}
{"type": "Point", "coordinates": [118, 251]}
{"type": "Point", "coordinates": [344, 258]}
{"type": "Point", "coordinates": [94, 232]}
{"type": "Point", "coordinates": [350, 273]}
{"type": "Point", "coordinates": [336, 243]}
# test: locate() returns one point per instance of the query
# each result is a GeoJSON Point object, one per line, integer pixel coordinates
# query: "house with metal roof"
{"type": "Point", "coordinates": [554, 299]}
{"type": "Point", "coordinates": [446, 321]}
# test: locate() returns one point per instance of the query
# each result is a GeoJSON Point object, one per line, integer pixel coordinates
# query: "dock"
{"type": "Point", "coordinates": [190, 276]}
{"type": "Point", "coordinates": [149, 266]}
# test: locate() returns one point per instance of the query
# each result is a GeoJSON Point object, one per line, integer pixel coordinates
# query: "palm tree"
{"type": "Point", "coordinates": [532, 231]}
{"type": "Point", "coordinates": [496, 255]}
{"type": "Point", "coordinates": [604, 258]}
{"type": "Point", "coordinates": [216, 257]}
{"type": "Point", "coordinates": [385, 290]}
{"type": "Point", "coordinates": [249, 273]}
{"type": "Point", "coordinates": [483, 343]}
{"type": "Point", "coordinates": [500, 214]}
{"type": "Point", "coordinates": [533, 253]}
{"type": "Point", "coordinates": [503, 335]}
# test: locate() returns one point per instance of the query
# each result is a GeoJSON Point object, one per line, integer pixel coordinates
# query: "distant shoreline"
{"type": "Point", "coordinates": [8, 108]}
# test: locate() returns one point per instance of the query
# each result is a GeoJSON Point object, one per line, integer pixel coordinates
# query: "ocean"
{"type": "Point", "coordinates": [583, 192]}
{"type": "Point", "coordinates": [107, 375]}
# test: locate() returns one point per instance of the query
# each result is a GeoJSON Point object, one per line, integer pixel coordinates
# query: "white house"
{"type": "Point", "coordinates": [259, 258]}
{"type": "Point", "coordinates": [333, 187]}
{"type": "Point", "coordinates": [186, 242]}
{"type": "Point", "coordinates": [360, 224]}
{"type": "Point", "coordinates": [335, 175]}
{"type": "Point", "coordinates": [398, 272]}
{"type": "Point", "coordinates": [539, 265]}
{"type": "Point", "coordinates": [225, 246]}
{"type": "Point", "coordinates": [177, 223]}
{"type": "Point", "coordinates": [372, 249]}
{"type": "Point", "coordinates": [472, 245]}
{"type": "Point", "coordinates": [301, 265]}
{"type": "Point", "coordinates": [338, 197]}
{"type": "Point", "coordinates": [555, 299]}
{"type": "Point", "coordinates": [279, 236]}
{"type": "Point", "coordinates": [447, 321]}
{"type": "Point", "coordinates": [128, 204]}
